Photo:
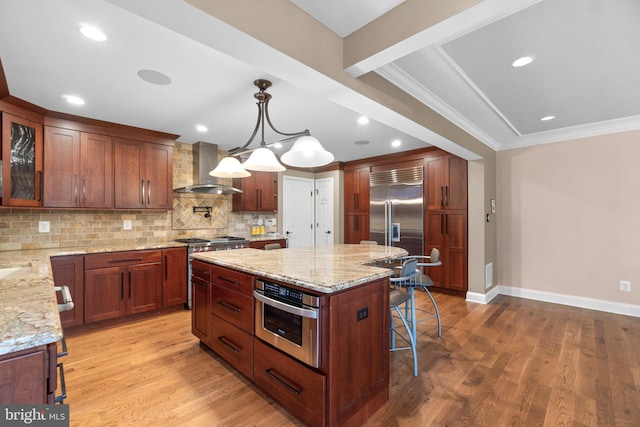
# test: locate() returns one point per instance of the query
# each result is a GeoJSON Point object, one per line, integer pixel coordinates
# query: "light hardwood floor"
{"type": "Point", "coordinates": [513, 362]}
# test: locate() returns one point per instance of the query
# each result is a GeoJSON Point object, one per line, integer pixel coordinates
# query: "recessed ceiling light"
{"type": "Point", "coordinates": [363, 120]}
{"type": "Point", "coordinates": [277, 145]}
{"type": "Point", "coordinates": [547, 118]}
{"type": "Point", "coordinates": [201, 128]}
{"type": "Point", "coordinates": [72, 99]}
{"type": "Point", "coordinates": [396, 143]}
{"type": "Point", "coordinates": [92, 32]}
{"type": "Point", "coordinates": [154, 77]}
{"type": "Point", "coordinates": [522, 61]}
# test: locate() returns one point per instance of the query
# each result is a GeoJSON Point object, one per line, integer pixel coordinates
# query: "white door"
{"type": "Point", "coordinates": [297, 211]}
{"type": "Point", "coordinates": [324, 211]}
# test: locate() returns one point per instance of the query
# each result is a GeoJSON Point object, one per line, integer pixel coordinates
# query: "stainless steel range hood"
{"type": "Point", "coordinates": [205, 159]}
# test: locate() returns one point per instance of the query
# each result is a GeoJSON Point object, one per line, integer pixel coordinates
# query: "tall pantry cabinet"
{"type": "Point", "coordinates": [446, 219]}
{"type": "Point", "coordinates": [356, 204]}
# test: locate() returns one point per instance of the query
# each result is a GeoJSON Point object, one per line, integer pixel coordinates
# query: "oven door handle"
{"type": "Point", "coordinates": [298, 311]}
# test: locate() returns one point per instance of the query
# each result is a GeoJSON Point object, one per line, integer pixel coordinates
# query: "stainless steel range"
{"type": "Point", "coordinates": [219, 243]}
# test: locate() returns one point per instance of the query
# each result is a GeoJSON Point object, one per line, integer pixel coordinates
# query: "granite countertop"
{"type": "Point", "coordinates": [268, 236]}
{"type": "Point", "coordinates": [28, 306]}
{"type": "Point", "coordinates": [324, 269]}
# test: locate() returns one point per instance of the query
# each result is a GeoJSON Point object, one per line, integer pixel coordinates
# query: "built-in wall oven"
{"type": "Point", "coordinates": [289, 320]}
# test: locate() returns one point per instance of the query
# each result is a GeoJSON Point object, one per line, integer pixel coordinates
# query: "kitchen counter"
{"type": "Point", "coordinates": [28, 306]}
{"type": "Point", "coordinates": [325, 269]}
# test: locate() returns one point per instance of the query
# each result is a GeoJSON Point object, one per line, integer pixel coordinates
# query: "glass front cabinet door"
{"type": "Point", "coordinates": [21, 165]}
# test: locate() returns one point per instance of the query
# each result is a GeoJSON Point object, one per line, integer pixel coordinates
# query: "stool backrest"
{"type": "Point", "coordinates": [435, 255]}
{"type": "Point", "coordinates": [409, 267]}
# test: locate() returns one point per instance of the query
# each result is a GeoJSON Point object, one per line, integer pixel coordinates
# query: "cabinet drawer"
{"type": "Point", "coordinates": [301, 390]}
{"type": "Point", "coordinates": [201, 269]}
{"type": "Point", "coordinates": [232, 279]}
{"type": "Point", "coordinates": [233, 307]}
{"type": "Point", "coordinates": [118, 259]}
{"type": "Point", "coordinates": [233, 345]}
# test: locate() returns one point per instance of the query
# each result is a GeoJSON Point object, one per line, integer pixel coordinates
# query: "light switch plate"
{"type": "Point", "coordinates": [43, 226]}
{"type": "Point", "coordinates": [126, 224]}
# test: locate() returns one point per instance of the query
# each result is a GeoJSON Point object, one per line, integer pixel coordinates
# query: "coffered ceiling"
{"type": "Point", "coordinates": [584, 72]}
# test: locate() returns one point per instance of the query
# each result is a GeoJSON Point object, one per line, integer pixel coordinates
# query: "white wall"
{"type": "Point", "coordinates": [569, 220]}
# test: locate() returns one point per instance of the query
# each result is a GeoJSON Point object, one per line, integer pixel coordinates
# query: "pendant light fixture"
{"type": "Point", "coordinates": [306, 151]}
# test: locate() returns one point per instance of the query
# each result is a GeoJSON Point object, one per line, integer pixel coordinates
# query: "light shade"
{"type": "Point", "coordinates": [230, 167]}
{"type": "Point", "coordinates": [263, 160]}
{"type": "Point", "coordinates": [307, 153]}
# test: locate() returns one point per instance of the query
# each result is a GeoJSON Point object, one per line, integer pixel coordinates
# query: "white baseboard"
{"type": "Point", "coordinates": [574, 301]}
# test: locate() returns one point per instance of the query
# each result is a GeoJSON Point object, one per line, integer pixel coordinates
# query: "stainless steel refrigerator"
{"type": "Point", "coordinates": [396, 208]}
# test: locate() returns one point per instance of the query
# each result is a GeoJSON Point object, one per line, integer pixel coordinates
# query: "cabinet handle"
{"type": "Point", "coordinates": [200, 272]}
{"type": "Point", "coordinates": [84, 189]}
{"type": "Point", "coordinates": [441, 196]}
{"type": "Point", "coordinates": [166, 268]}
{"type": "Point", "coordinates": [122, 285]}
{"type": "Point", "coordinates": [356, 223]}
{"type": "Point", "coordinates": [198, 281]}
{"type": "Point", "coordinates": [142, 192]}
{"type": "Point", "coordinates": [148, 192]}
{"type": "Point", "coordinates": [75, 188]}
{"type": "Point", "coordinates": [125, 260]}
{"type": "Point", "coordinates": [41, 179]}
{"type": "Point", "coordinates": [226, 342]}
{"type": "Point", "coordinates": [446, 194]}
{"type": "Point", "coordinates": [232, 282]}
{"type": "Point", "coordinates": [447, 218]}
{"type": "Point", "coordinates": [295, 390]}
{"type": "Point", "coordinates": [229, 306]}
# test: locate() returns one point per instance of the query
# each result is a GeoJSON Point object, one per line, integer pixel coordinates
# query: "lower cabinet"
{"type": "Point", "coordinates": [260, 244]}
{"type": "Point", "coordinates": [29, 376]}
{"type": "Point", "coordinates": [232, 344]}
{"type": "Point", "coordinates": [301, 390]}
{"type": "Point", "coordinates": [356, 228]}
{"type": "Point", "coordinates": [174, 280]}
{"type": "Point", "coordinates": [69, 271]}
{"type": "Point", "coordinates": [121, 283]}
{"type": "Point", "coordinates": [201, 301]}
{"type": "Point", "coordinates": [447, 231]}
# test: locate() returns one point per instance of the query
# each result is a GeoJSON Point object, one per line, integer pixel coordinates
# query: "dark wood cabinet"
{"type": "Point", "coordinates": [259, 192]}
{"type": "Point", "coordinates": [356, 190]}
{"type": "Point", "coordinates": [143, 175]}
{"type": "Point", "coordinates": [356, 228]}
{"type": "Point", "coordinates": [447, 231]}
{"type": "Point", "coordinates": [29, 376]}
{"type": "Point", "coordinates": [78, 169]}
{"type": "Point", "coordinates": [201, 301]}
{"type": "Point", "coordinates": [446, 219]}
{"type": "Point", "coordinates": [356, 205]}
{"type": "Point", "coordinates": [446, 183]}
{"type": "Point", "coordinates": [22, 164]}
{"type": "Point", "coordinates": [174, 283]}
{"type": "Point", "coordinates": [260, 244]}
{"type": "Point", "coordinates": [121, 283]}
{"type": "Point", "coordinates": [69, 271]}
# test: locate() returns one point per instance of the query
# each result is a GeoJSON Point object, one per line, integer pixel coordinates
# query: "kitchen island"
{"type": "Point", "coordinates": [351, 380]}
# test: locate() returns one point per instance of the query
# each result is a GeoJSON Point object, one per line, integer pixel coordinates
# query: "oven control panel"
{"type": "Point", "coordinates": [274, 290]}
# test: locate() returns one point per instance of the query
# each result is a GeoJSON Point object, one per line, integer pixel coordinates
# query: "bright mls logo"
{"type": "Point", "coordinates": [34, 415]}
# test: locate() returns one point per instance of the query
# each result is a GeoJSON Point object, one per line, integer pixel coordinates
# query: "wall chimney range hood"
{"type": "Point", "coordinates": [205, 159]}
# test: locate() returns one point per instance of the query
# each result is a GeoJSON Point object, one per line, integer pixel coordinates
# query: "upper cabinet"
{"type": "Point", "coordinates": [259, 192]}
{"type": "Point", "coordinates": [143, 175]}
{"type": "Point", "coordinates": [446, 178]}
{"type": "Point", "coordinates": [356, 190]}
{"type": "Point", "coordinates": [78, 169]}
{"type": "Point", "coordinates": [22, 147]}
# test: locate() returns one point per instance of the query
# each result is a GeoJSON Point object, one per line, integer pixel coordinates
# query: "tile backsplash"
{"type": "Point", "coordinates": [68, 228]}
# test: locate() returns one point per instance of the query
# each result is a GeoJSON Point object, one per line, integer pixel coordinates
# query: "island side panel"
{"type": "Point", "coordinates": [359, 352]}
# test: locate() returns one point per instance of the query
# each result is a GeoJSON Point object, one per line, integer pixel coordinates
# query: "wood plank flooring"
{"type": "Point", "coordinates": [513, 362]}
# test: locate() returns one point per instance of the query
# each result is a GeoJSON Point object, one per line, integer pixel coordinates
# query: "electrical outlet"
{"type": "Point", "coordinates": [126, 224]}
{"type": "Point", "coordinates": [43, 226]}
{"type": "Point", "coordinates": [625, 285]}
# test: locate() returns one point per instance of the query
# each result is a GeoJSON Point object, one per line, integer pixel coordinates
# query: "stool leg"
{"type": "Point", "coordinates": [435, 306]}
{"type": "Point", "coordinates": [413, 313]}
{"type": "Point", "coordinates": [412, 340]}
{"type": "Point", "coordinates": [392, 329]}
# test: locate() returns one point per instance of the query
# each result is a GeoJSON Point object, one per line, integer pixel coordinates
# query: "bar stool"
{"type": "Point", "coordinates": [398, 298]}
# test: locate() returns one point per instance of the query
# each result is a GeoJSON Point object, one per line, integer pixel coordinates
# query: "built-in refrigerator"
{"type": "Point", "coordinates": [396, 208]}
